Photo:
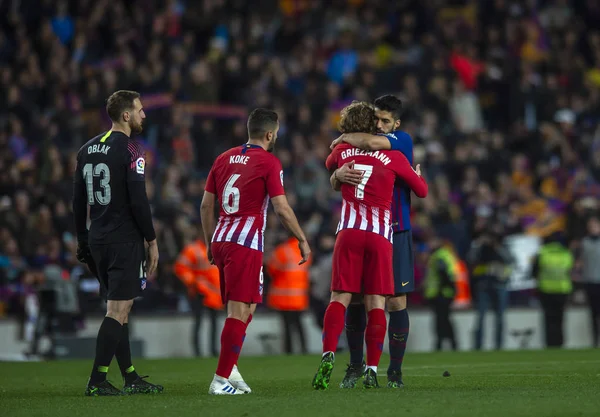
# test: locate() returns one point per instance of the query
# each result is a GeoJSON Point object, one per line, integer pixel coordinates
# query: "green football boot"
{"type": "Point", "coordinates": [354, 372]}
{"type": "Point", "coordinates": [370, 380]}
{"type": "Point", "coordinates": [395, 380]}
{"type": "Point", "coordinates": [321, 379]}
{"type": "Point", "coordinates": [102, 389]}
{"type": "Point", "coordinates": [141, 386]}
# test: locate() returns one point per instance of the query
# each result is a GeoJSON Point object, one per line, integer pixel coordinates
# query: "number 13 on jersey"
{"type": "Point", "coordinates": [367, 170]}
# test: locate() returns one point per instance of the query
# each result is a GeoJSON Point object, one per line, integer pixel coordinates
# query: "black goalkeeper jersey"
{"type": "Point", "coordinates": [110, 180]}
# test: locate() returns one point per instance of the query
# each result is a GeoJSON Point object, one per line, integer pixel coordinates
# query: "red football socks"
{"type": "Point", "coordinates": [333, 325]}
{"type": "Point", "coordinates": [375, 335]}
{"type": "Point", "coordinates": [232, 338]}
{"type": "Point", "coordinates": [245, 330]}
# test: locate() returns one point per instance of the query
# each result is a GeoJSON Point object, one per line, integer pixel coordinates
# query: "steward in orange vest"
{"type": "Point", "coordinates": [289, 290]}
{"type": "Point", "coordinates": [202, 281]}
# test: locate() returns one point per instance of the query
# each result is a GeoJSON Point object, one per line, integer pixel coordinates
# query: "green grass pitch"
{"type": "Point", "coordinates": [563, 383]}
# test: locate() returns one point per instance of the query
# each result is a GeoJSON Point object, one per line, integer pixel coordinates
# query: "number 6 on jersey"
{"type": "Point", "coordinates": [231, 193]}
{"type": "Point", "coordinates": [360, 188]}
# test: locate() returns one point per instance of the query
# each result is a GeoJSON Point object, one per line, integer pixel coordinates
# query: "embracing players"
{"type": "Point", "coordinates": [362, 259]}
{"type": "Point", "coordinates": [243, 179]}
{"type": "Point", "coordinates": [388, 110]}
{"type": "Point", "coordinates": [110, 179]}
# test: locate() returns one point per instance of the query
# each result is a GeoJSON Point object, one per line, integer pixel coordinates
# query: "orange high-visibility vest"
{"type": "Point", "coordinates": [462, 299]}
{"type": "Point", "coordinates": [194, 270]}
{"type": "Point", "coordinates": [289, 285]}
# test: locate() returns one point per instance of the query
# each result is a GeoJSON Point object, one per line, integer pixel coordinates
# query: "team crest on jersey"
{"type": "Point", "coordinates": [140, 164]}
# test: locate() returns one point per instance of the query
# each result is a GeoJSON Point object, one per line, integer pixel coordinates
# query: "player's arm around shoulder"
{"type": "Point", "coordinates": [364, 141]}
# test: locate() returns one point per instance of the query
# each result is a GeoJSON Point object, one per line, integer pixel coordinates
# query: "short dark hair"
{"type": "Point", "coordinates": [119, 102]}
{"type": "Point", "coordinates": [389, 103]}
{"type": "Point", "coordinates": [358, 117]}
{"type": "Point", "coordinates": [261, 121]}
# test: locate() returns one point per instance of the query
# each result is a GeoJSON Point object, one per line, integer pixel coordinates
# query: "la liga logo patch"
{"type": "Point", "coordinates": [140, 165]}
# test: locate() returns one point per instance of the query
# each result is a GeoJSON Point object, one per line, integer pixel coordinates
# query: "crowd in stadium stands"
{"type": "Point", "coordinates": [502, 101]}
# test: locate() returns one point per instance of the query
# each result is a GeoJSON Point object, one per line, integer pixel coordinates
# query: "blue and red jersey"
{"type": "Point", "coordinates": [401, 141]}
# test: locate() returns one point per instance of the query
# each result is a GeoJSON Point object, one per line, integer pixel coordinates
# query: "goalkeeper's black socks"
{"type": "Point", "coordinates": [108, 339]}
{"type": "Point", "coordinates": [123, 355]}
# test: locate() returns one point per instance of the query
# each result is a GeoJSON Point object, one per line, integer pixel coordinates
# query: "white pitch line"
{"type": "Point", "coordinates": [497, 364]}
{"type": "Point", "coordinates": [494, 375]}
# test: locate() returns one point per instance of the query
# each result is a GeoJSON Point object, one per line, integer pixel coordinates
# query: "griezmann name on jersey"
{"type": "Point", "coordinates": [244, 178]}
{"type": "Point", "coordinates": [367, 206]}
{"type": "Point", "coordinates": [110, 178]}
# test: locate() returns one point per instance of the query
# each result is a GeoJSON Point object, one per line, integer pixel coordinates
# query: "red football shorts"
{"type": "Point", "coordinates": [362, 263]}
{"type": "Point", "coordinates": [240, 271]}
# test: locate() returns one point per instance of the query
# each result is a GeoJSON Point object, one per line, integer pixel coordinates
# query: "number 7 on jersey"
{"type": "Point", "coordinates": [360, 188]}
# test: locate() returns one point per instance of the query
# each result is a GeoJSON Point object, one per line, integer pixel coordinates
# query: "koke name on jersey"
{"type": "Point", "coordinates": [377, 155]}
{"type": "Point", "coordinates": [98, 149]}
{"type": "Point", "coordinates": [239, 159]}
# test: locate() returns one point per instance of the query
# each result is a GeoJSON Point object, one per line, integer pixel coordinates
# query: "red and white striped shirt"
{"type": "Point", "coordinates": [362, 217]}
{"type": "Point", "coordinates": [367, 206]}
{"type": "Point", "coordinates": [244, 179]}
{"type": "Point", "coordinates": [247, 231]}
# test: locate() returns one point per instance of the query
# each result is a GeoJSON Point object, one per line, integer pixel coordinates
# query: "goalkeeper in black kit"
{"type": "Point", "coordinates": [110, 180]}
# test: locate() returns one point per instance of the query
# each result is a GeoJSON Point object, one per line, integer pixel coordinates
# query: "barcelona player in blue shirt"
{"type": "Point", "coordinates": [388, 111]}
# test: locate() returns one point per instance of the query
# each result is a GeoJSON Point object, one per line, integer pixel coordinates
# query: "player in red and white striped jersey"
{"type": "Point", "coordinates": [362, 257]}
{"type": "Point", "coordinates": [244, 179]}
{"type": "Point", "coordinates": [367, 206]}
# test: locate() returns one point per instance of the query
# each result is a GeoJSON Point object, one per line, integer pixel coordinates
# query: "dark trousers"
{"type": "Point", "coordinates": [490, 293]}
{"type": "Point", "coordinates": [554, 313]}
{"type": "Point", "coordinates": [443, 325]}
{"type": "Point", "coordinates": [593, 295]}
{"type": "Point", "coordinates": [199, 312]}
{"type": "Point", "coordinates": [292, 323]}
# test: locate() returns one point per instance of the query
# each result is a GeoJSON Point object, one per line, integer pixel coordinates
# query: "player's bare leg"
{"type": "Point", "coordinates": [398, 336]}
{"type": "Point", "coordinates": [232, 339]}
{"type": "Point", "coordinates": [356, 324]}
{"type": "Point", "coordinates": [236, 378]}
{"type": "Point", "coordinates": [333, 325]}
{"type": "Point", "coordinates": [374, 337]}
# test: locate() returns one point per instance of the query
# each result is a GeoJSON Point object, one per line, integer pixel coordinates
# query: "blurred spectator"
{"type": "Point", "coordinates": [440, 289]}
{"type": "Point", "coordinates": [502, 99]}
{"type": "Point", "coordinates": [490, 266]}
{"type": "Point", "coordinates": [552, 269]}
{"type": "Point", "coordinates": [288, 292]}
{"type": "Point", "coordinates": [590, 254]}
